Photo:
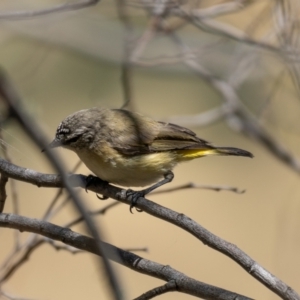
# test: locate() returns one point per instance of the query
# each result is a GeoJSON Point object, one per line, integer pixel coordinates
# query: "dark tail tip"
{"type": "Point", "coordinates": [234, 151]}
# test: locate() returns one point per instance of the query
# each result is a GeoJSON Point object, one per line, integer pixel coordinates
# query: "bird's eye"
{"type": "Point", "coordinates": [72, 140]}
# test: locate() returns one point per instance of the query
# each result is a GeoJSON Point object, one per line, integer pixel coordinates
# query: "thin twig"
{"type": "Point", "coordinates": [12, 297]}
{"type": "Point", "coordinates": [192, 185]}
{"type": "Point", "coordinates": [160, 290]}
{"type": "Point", "coordinates": [50, 210]}
{"type": "Point", "coordinates": [63, 247]}
{"type": "Point", "coordinates": [228, 31]}
{"type": "Point", "coordinates": [21, 260]}
{"type": "Point", "coordinates": [126, 68]}
{"type": "Point", "coordinates": [100, 211]}
{"type": "Point", "coordinates": [3, 195]}
{"type": "Point", "coordinates": [61, 8]}
{"type": "Point", "coordinates": [205, 118]}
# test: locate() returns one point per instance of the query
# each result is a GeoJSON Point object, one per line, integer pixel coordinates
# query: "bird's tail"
{"type": "Point", "coordinates": [195, 153]}
{"type": "Point", "coordinates": [232, 151]}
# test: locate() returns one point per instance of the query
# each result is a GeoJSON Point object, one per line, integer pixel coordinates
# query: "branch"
{"type": "Point", "coordinates": [180, 220]}
{"type": "Point", "coordinates": [3, 195]}
{"type": "Point", "coordinates": [126, 69]}
{"type": "Point", "coordinates": [225, 30]}
{"type": "Point", "coordinates": [21, 260]}
{"type": "Point", "coordinates": [18, 111]}
{"type": "Point", "coordinates": [100, 211]}
{"type": "Point", "coordinates": [19, 15]}
{"type": "Point", "coordinates": [166, 288]}
{"type": "Point", "coordinates": [192, 185]}
{"type": "Point", "coordinates": [137, 263]}
{"type": "Point", "coordinates": [205, 118]}
{"type": "Point", "coordinates": [240, 118]}
{"type": "Point", "coordinates": [12, 297]}
{"type": "Point", "coordinates": [14, 194]}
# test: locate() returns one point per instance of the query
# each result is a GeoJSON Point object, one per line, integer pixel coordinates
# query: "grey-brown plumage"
{"type": "Point", "coordinates": [129, 149]}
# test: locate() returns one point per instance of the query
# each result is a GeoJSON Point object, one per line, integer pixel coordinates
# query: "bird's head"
{"type": "Point", "coordinates": [76, 132]}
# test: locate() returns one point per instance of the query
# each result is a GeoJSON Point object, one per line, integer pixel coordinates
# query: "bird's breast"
{"type": "Point", "coordinates": [139, 170]}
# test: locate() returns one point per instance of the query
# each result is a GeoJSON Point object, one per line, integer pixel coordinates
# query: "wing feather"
{"type": "Point", "coordinates": [142, 135]}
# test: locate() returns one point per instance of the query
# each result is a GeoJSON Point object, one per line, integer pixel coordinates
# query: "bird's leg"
{"type": "Point", "coordinates": [135, 195]}
{"type": "Point", "coordinates": [90, 180]}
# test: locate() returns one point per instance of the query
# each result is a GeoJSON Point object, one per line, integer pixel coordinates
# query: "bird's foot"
{"type": "Point", "coordinates": [133, 197]}
{"type": "Point", "coordinates": [91, 180]}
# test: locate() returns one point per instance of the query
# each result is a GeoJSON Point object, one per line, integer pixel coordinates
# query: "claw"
{"type": "Point", "coordinates": [89, 180]}
{"type": "Point", "coordinates": [134, 195]}
{"type": "Point", "coordinates": [102, 197]}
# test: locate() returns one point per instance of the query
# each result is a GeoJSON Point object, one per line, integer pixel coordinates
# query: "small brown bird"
{"type": "Point", "coordinates": [128, 149]}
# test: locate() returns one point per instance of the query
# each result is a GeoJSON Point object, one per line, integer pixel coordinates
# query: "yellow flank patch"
{"type": "Point", "coordinates": [190, 154]}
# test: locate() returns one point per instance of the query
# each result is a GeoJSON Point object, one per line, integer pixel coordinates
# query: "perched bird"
{"type": "Point", "coordinates": [129, 149]}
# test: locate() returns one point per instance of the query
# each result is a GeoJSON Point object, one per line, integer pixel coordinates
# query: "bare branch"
{"type": "Point", "coordinates": [221, 9]}
{"type": "Point", "coordinates": [203, 119]}
{"type": "Point", "coordinates": [63, 247]}
{"type": "Point", "coordinates": [12, 297]}
{"type": "Point", "coordinates": [184, 283]}
{"type": "Point", "coordinates": [192, 185]}
{"type": "Point", "coordinates": [65, 7]}
{"type": "Point", "coordinates": [14, 194]}
{"type": "Point", "coordinates": [228, 31]}
{"type": "Point", "coordinates": [3, 195]}
{"type": "Point", "coordinates": [126, 68]}
{"type": "Point", "coordinates": [166, 288]}
{"type": "Point", "coordinates": [180, 220]}
{"type": "Point", "coordinates": [21, 260]}
{"type": "Point", "coordinates": [50, 212]}
{"type": "Point", "coordinates": [287, 30]}
{"type": "Point", "coordinates": [100, 211]}
{"type": "Point", "coordinates": [240, 119]}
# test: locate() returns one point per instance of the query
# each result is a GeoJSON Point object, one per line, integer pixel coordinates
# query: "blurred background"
{"type": "Point", "coordinates": [228, 70]}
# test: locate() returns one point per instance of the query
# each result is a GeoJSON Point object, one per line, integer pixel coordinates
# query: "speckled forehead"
{"type": "Point", "coordinates": [62, 129]}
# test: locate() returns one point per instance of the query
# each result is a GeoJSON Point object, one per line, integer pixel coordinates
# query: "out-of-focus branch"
{"type": "Point", "coordinates": [203, 119]}
{"type": "Point", "coordinates": [9, 271]}
{"type": "Point", "coordinates": [126, 68]}
{"type": "Point", "coordinates": [9, 296]}
{"type": "Point", "coordinates": [61, 8]}
{"type": "Point", "coordinates": [240, 119]}
{"type": "Point", "coordinates": [237, 115]}
{"type": "Point", "coordinates": [14, 194]}
{"type": "Point", "coordinates": [17, 111]}
{"type": "Point", "coordinates": [184, 283]}
{"type": "Point", "coordinates": [286, 24]}
{"type": "Point", "coordinates": [221, 9]}
{"type": "Point", "coordinates": [225, 30]}
{"type": "Point", "coordinates": [3, 195]}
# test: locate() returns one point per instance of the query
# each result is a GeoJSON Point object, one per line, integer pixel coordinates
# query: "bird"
{"type": "Point", "coordinates": [132, 150]}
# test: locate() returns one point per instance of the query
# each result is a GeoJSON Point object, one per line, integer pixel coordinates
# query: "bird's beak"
{"type": "Point", "coordinates": [54, 144]}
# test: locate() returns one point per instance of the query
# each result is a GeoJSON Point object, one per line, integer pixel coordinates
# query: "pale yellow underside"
{"type": "Point", "coordinates": [138, 170]}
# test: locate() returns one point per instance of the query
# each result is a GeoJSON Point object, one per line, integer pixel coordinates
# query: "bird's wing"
{"type": "Point", "coordinates": [142, 135]}
{"type": "Point", "coordinates": [175, 137]}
